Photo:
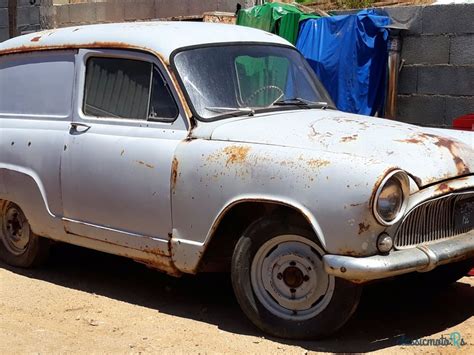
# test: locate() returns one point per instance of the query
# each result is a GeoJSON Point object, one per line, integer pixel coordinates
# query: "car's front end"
{"type": "Point", "coordinates": [345, 198]}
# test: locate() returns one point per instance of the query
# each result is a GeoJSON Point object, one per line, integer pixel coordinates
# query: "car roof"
{"type": "Point", "coordinates": [160, 37]}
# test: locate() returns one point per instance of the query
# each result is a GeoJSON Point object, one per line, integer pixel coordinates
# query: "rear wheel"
{"type": "Point", "coordinates": [19, 246]}
{"type": "Point", "coordinates": [280, 283]}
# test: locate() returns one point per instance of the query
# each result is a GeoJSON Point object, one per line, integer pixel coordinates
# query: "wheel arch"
{"type": "Point", "coordinates": [24, 188]}
{"type": "Point", "coordinates": [221, 238]}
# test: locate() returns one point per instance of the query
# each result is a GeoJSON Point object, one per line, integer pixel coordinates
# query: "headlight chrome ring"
{"type": "Point", "coordinates": [391, 198]}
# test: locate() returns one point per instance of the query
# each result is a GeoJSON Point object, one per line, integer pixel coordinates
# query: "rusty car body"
{"type": "Point", "coordinates": [292, 196]}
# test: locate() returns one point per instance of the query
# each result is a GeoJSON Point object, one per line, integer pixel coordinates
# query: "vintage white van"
{"type": "Point", "coordinates": [204, 147]}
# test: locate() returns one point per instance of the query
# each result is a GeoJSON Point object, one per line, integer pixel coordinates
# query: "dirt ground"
{"type": "Point", "coordinates": [88, 302]}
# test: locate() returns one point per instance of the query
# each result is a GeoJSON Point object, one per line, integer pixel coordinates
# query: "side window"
{"type": "Point", "coordinates": [37, 83]}
{"type": "Point", "coordinates": [126, 88]}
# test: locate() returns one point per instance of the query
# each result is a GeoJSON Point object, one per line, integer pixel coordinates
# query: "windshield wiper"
{"type": "Point", "coordinates": [232, 110]}
{"type": "Point", "coordinates": [298, 101]}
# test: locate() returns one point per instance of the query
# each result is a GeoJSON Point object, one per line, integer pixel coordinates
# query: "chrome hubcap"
{"type": "Point", "coordinates": [288, 278]}
{"type": "Point", "coordinates": [16, 231]}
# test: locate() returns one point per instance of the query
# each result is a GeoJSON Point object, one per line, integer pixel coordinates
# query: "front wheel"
{"type": "Point", "coordinates": [280, 283]}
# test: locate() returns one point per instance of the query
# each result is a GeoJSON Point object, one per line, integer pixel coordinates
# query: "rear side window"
{"type": "Point", "coordinates": [126, 88]}
{"type": "Point", "coordinates": [37, 84]}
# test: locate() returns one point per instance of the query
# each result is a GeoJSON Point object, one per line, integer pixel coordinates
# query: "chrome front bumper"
{"type": "Point", "coordinates": [422, 259]}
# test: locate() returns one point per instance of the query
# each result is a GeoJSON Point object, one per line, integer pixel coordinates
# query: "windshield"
{"type": "Point", "coordinates": [234, 80]}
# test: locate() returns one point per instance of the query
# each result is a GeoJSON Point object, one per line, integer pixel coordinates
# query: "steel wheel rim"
{"type": "Point", "coordinates": [289, 280]}
{"type": "Point", "coordinates": [15, 230]}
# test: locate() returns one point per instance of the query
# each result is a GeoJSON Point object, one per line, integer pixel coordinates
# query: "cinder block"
{"type": "Point", "coordinates": [426, 49]}
{"type": "Point", "coordinates": [462, 50]}
{"type": "Point", "coordinates": [421, 109]}
{"type": "Point", "coordinates": [448, 19]}
{"type": "Point", "coordinates": [4, 17]}
{"type": "Point", "coordinates": [3, 4]}
{"type": "Point", "coordinates": [47, 14]}
{"type": "Point", "coordinates": [198, 7]}
{"type": "Point", "coordinates": [407, 80]}
{"type": "Point", "coordinates": [229, 5]}
{"type": "Point", "coordinates": [82, 13]}
{"type": "Point", "coordinates": [458, 106]}
{"type": "Point", "coordinates": [409, 16]}
{"type": "Point", "coordinates": [4, 34]}
{"type": "Point", "coordinates": [113, 12]}
{"type": "Point", "coordinates": [446, 80]}
{"type": "Point", "coordinates": [139, 10]}
{"type": "Point", "coordinates": [22, 3]}
{"type": "Point", "coordinates": [62, 15]}
{"type": "Point", "coordinates": [28, 15]}
{"type": "Point", "coordinates": [166, 8]}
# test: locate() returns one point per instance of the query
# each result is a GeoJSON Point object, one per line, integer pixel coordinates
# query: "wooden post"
{"type": "Point", "coordinates": [12, 17]}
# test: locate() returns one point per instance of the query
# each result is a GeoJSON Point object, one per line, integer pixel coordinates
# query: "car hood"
{"type": "Point", "coordinates": [428, 155]}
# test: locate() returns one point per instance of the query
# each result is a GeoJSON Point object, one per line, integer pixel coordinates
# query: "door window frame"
{"type": "Point", "coordinates": [179, 123]}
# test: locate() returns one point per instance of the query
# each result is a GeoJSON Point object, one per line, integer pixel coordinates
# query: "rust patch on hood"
{"type": "Point", "coordinates": [349, 138]}
{"type": "Point", "coordinates": [36, 39]}
{"type": "Point", "coordinates": [445, 143]}
{"type": "Point", "coordinates": [410, 140]}
{"type": "Point", "coordinates": [236, 154]}
{"type": "Point", "coordinates": [452, 147]}
{"type": "Point", "coordinates": [174, 173]}
{"type": "Point", "coordinates": [363, 227]}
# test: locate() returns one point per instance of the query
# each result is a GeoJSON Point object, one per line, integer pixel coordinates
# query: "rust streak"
{"type": "Point", "coordinates": [410, 140]}
{"type": "Point", "coordinates": [141, 162]}
{"type": "Point", "coordinates": [444, 188]}
{"type": "Point", "coordinates": [348, 252]}
{"type": "Point", "coordinates": [36, 39]}
{"type": "Point", "coordinates": [174, 173]}
{"type": "Point", "coordinates": [349, 138]}
{"type": "Point", "coordinates": [363, 227]}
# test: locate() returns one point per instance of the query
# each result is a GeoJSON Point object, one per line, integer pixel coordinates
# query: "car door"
{"type": "Point", "coordinates": [116, 165]}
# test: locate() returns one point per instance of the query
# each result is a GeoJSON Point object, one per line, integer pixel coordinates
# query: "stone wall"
{"type": "Point", "coordinates": [436, 82]}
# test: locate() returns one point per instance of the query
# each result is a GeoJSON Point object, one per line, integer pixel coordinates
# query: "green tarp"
{"type": "Point", "coordinates": [281, 19]}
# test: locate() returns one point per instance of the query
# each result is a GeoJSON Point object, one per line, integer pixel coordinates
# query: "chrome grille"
{"type": "Point", "coordinates": [430, 221]}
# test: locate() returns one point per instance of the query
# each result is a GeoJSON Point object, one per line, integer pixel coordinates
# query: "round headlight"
{"type": "Point", "coordinates": [391, 198]}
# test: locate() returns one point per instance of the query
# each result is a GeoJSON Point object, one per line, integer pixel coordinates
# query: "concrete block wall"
{"type": "Point", "coordinates": [4, 29]}
{"type": "Point", "coordinates": [436, 82]}
{"type": "Point", "coordinates": [27, 18]}
{"type": "Point", "coordinates": [77, 12]}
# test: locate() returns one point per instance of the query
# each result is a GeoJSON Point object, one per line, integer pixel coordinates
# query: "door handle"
{"type": "Point", "coordinates": [76, 126]}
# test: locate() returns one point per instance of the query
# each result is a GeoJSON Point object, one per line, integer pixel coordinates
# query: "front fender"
{"type": "Point", "coordinates": [332, 190]}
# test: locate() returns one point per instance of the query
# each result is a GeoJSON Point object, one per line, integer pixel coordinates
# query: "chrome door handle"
{"type": "Point", "coordinates": [76, 125]}
{"type": "Point", "coordinates": [79, 128]}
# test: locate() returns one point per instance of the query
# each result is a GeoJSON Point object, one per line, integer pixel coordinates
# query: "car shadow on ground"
{"type": "Point", "coordinates": [389, 312]}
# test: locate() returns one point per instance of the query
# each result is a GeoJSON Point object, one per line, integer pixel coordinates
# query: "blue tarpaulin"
{"type": "Point", "coordinates": [349, 54]}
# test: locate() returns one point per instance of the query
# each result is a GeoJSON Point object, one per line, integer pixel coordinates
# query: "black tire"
{"type": "Point", "coordinates": [441, 276]}
{"type": "Point", "coordinates": [36, 249]}
{"type": "Point", "coordinates": [336, 312]}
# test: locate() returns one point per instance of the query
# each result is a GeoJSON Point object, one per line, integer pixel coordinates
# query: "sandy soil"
{"type": "Point", "coordinates": [87, 302]}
